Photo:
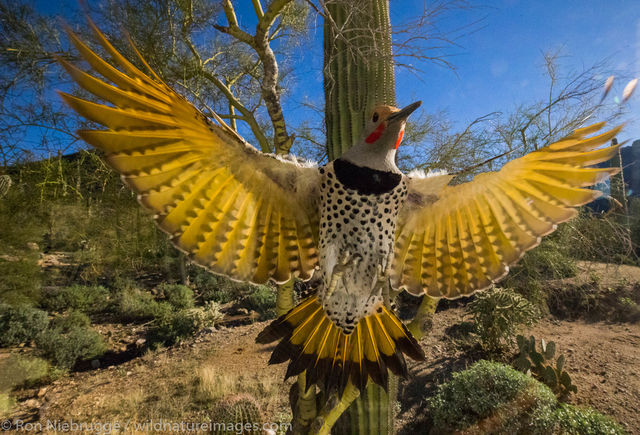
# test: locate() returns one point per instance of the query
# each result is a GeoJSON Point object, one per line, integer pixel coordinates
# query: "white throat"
{"type": "Point", "coordinates": [379, 157]}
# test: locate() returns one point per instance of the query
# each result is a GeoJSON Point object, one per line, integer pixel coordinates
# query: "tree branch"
{"type": "Point", "coordinates": [269, 83]}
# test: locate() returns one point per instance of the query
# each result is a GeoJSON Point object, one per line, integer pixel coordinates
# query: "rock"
{"type": "Point", "coordinates": [33, 246]}
{"type": "Point", "coordinates": [140, 342]}
{"type": "Point", "coordinates": [95, 363]}
{"type": "Point", "coordinates": [42, 391]}
{"type": "Point", "coordinates": [31, 403]}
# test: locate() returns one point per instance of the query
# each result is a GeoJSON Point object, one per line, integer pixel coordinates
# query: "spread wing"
{"type": "Point", "coordinates": [237, 211]}
{"type": "Point", "coordinates": [454, 240]}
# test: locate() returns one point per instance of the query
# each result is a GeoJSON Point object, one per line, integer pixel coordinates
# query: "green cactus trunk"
{"type": "Point", "coordinates": [358, 68]}
{"type": "Point", "coordinates": [358, 74]}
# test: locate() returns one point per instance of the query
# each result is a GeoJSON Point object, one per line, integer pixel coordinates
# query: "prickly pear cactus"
{"type": "Point", "coordinates": [541, 365]}
{"type": "Point", "coordinates": [5, 184]}
{"type": "Point", "coordinates": [236, 414]}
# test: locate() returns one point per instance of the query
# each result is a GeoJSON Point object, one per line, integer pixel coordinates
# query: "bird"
{"type": "Point", "coordinates": [357, 227]}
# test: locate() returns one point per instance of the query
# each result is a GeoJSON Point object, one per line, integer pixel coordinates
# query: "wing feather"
{"type": "Point", "coordinates": [454, 240]}
{"type": "Point", "coordinates": [234, 210]}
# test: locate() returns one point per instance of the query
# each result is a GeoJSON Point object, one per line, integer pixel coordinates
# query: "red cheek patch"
{"type": "Point", "coordinates": [375, 135]}
{"type": "Point", "coordinates": [400, 136]}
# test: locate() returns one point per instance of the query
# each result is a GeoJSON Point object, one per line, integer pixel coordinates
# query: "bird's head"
{"type": "Point", "coordinates": [385, 125]}
{"type": "Point", "coordinates": [381, 137]}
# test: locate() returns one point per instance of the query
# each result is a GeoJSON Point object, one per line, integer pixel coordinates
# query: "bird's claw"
{"type": "Point", "coordinates": [347, 261]}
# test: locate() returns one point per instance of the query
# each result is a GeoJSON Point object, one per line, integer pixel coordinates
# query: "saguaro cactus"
{"type": "Point", "coordinates": [358, 73]}
{"type": "Point", "coordinates": [358, 67]}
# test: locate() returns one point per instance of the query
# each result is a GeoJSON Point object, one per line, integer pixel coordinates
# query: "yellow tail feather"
{"type": "Point", "coordinates": [310, 341]}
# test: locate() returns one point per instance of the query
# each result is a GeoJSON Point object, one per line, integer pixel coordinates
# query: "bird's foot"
{"type": "Point", "coordinates": [347, 261]}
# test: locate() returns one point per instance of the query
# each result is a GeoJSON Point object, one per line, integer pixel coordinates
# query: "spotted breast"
{"type": "Point", "coordinates": [359, 208]}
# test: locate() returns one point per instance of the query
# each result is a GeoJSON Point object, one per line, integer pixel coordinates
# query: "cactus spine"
{"type": "Point", "coordinates": [236, 414]}
{"type": "Point", "coordinates": [358, 68]}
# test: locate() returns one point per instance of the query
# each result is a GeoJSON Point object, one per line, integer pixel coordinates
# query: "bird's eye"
{"type": "Point", "coordinates": [375, 117]}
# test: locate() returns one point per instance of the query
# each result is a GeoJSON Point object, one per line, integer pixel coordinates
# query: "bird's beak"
{"type": "Point", "coordinates": [404, 113]}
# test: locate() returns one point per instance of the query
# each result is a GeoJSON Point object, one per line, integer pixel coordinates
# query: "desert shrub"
{"type": "Point", "coordinates": [595, 302]}
{"type": "Point", "coordinates": [207, 315]}
{"type": "Point", "coordinates": [571, 420]}
{"type": "Point", "coordinates": [212, 287]}
{"type": "Point", "coordinates": [262, 300]}
{"type": "Point", "coordinates": [20, 370]}
{"type": "Point", "coordinates": [172, 327]}
{"type": "Point", "coordinates": [88, 299]}
{"type": "Point", "coordinates": [500, 398]}
{"type": "Point", "coordinates": [20, 324]}
{"type": "Point", "coordinates": [20, 224]}
{"type": "Point", "coordinates": [21, 277]}
{"type": "Point", "coordinates": [532, 290]}
{"type": "Point", "coordinates": [552, 259]}
{"type": "Point", "coordinates": [6, 404]}
{"type": "Point", "coordinates": [134, 304]}
{"type": "Point", "coordinates": [178, 296]}
{"type": "Point", "coordinates": [70, 339]}
{"type": "Point", "coordinates": [599, 238]}
{"type": "Point", "coordinates": [497, 314]}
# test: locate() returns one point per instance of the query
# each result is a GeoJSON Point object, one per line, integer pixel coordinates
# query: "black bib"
{"type": "Point", "coordinates": [365, 181]}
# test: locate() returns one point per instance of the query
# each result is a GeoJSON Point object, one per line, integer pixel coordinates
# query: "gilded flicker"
{"type": "Point", "coordinates": [358, 223]}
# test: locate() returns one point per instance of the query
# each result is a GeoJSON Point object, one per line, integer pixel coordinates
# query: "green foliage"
{"type": "Point", "coordinates": [134, 304]}
{"type": "Point", "coordinates": [606, 239]}
{"type": "Point", "coordinates": [552, 259]}
{"type": "Point", "coordinates": [541, 365]}
{"type": "Point", "coordinates": [595, 302]}
{"type": "Point", "coordinates": [171, 327]}
{"type": "Point", "coordinates": [20, 324]}
{"type": "Point", "coordinates": [5, 184]}
{"type": "Point", "coordinates": [21, 276]}
{"type": "Point", "coordinates": [263, 301]}
{"type": "Point", "coordinates": [497, 314]}
{"type": "Point", "coordinates": [88, 299]}
{"type": "Point", "coordinates": [493, 398]}
{"type": "Point", "coordinates": [27, 371]}
{"type": "Point", "coordinates": [6, 404]}
{"type": "Point", "coordinates": [218, 288]}
{"type": "Point", "coordinates": [506, 400]}
{"type": "Point", "coordinates": [70, 339]}
{"type": "Point", "coordinates": [240, 414]}
{"type": "Point", "coordinates": [206, 316]}
{"type": "Point", "coordinates": [571, 420]}
{"type": "Point", "coordinates": [178, 296]}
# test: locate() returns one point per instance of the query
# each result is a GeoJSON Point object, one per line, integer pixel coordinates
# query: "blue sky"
{"type": "Point", "coordinates": [499, 66]}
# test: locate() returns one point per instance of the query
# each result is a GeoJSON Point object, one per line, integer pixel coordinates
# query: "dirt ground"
{"type": "Point", "coordinates": [603, 359]}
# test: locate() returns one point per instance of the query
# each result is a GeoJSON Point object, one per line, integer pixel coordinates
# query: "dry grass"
{"type": "Point", "coordinates": [181, 383]}
{"type": "Point", "coordinates": [214, 383]}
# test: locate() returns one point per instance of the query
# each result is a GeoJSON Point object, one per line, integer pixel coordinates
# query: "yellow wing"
{"type": "Point", "coordinates": [233, 209]}
{"type": "Point", "coordinates": [454, 240]}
